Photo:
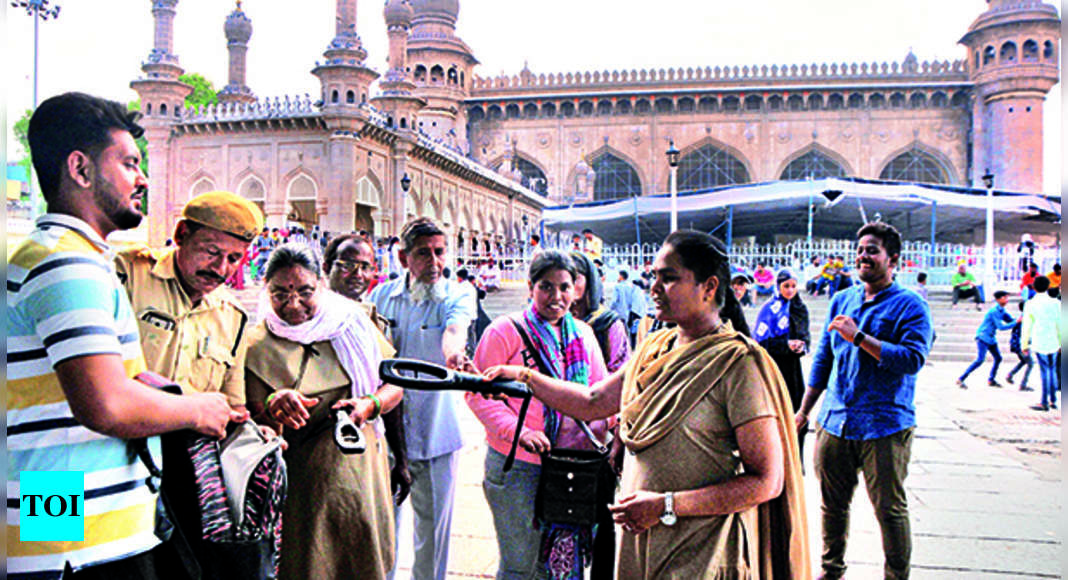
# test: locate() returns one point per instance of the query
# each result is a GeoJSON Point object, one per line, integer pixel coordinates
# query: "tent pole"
{"type": "Point", "coordinates": [934, 223]}
{"type": "Point", "coordinates": [730, 227]}
{"type": "Point", "coordinates": [637, 230]}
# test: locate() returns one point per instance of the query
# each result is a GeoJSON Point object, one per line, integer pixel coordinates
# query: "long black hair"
{"type": "Point", "coordinates": [706, 256]}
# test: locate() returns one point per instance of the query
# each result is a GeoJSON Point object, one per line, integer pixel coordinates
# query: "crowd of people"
{"type": "Point", "coordinates": [703, 419]}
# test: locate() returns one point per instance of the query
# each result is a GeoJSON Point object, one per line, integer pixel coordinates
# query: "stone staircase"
{"type": "Point", "coordinates": [955, 328]}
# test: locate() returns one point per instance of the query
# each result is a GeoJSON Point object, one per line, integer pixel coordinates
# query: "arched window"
{"type": "Point", "coordinates": [812, 165]}
{"type": "Point", "coordinates": [334, 96]}
{"type": "Point", "coordinates": [795, 103]}
{"type": "Point", "coordinates": [686, 105]}
{"type": "Point", "coordinates": [548, 110]}
{"type": "Point", "coordinates": [203, 185]}
{"type": "Point", "coordinates": [710, 166]}
{"type": "Point", "coordinates": [511, 111]}
{"type": "Point", "coordinates": [897, 101]}
{"type": "Point", "coordinates": [775, 103]}
{"type": "Point", "coordinates": [494, 113]}
{"type": "Point", "coordinates": [623, 107]}
{"type": "Point", "coordinates": [754, 103]}
{"type": "Point", "coordinates": [642, 107]}
{"type": "Point", "coordinates": [664, 106]}
{"type": "Point", "coordinates": [731, 103]}
{"type": "Point", "coordinates": [252, 189]}
{"type": "Point", "coordinates": [1008, 52]}
{"type": "Point", "coordinates": [917, 101]}
{"type": "Point", "coordinates": [856, 101]}
{"type": "Point", "coordinates": [916, 166]}
{"type": "Point", "coordinates": [148, 109]}
{"type": "Point", "coordinates": [163, 109]}
{"type": "Point", "coordinates": [475, 114]}
{"type": "Point", "coordinates": [1047, 50]}
{"type": "Point", "coordinates": [420, 74]}
{"type": "Point", "coordinates": [437, 74]}
{"type": "Point", "coordinates": [530, 111]}
{"type": "Point", "coordinates": [1030, 50]}
{"type": "Point", "coordinates": [815, 102]}
{"type": "Point", "coordinates": [403, 123]}
{"type": "Point", "coordinates": [585, 109]}
{"type": "Point", "coordinates": [835, 102]}
{"type": "Point", "coordinates": [567, 109]}
{"type": "Point", "coordinates": [939, 99]}
{"type": "Point", "coordinates": [453, 79]}
{"type": "Point", "coordinates": [604, 107]}
{"type": "Point", "coordinates": [533, 178]}
{"type": "Point", "coordinates": [616, 179]}
{"type": "Point", "coordinates": [708, 105]}
{"type": "Point", "coordinates": [988, 55]}
{"type": "Point", "coordinates": [350, 97]}
{"type": "Point", "coordinates": [877, 101]}
{"type": "Point", "coordinates": [960, 99]}
{"type": "Point", "coordinates": [977, 59]}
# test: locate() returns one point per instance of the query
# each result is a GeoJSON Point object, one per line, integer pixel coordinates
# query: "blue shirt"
{"type": "Point", "coordinates": [867, 398]}
{"type": "Point", "coordinates": [431, 426]}
{"type": "Point", "coordinates": [996, 319]}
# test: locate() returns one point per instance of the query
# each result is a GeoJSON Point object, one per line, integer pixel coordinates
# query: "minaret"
{"type": "Point", "coordinates": [344, 76]}
{"type": "Point", "coordinates": [238, 30]}
{"type": "Point", "coordinates": [162, 100]}
{"type": "Point", "coordinates": [441, 65]}
{"type": "Point", "coordinates": [398, 102]}
{"type": "Point", "coordinates": [1013, 52]}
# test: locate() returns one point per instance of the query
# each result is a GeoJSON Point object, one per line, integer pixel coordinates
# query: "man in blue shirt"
{"type": "Point", "coordinates": [986, 339]}
{"type": "Point", "coordinates": [876, 341]}
{"type": "Point", "coordinates": [429, 316]}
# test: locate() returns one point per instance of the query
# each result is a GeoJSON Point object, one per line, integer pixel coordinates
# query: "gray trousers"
{"type": "Point", "coordinates": [884, 462]}
{"type": "Point", "coordinates": [433, 492]}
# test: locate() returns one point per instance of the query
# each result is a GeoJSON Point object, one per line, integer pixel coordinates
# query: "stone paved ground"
{"type": "Point", "coordinates": [985, 486]}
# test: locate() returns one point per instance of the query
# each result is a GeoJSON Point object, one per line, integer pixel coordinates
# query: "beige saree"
{"type": "Point", "coordinates": [680, 406]}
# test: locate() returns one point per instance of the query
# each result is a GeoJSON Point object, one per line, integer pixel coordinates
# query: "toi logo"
{"type": "Point", "coordinates": [52, 506]}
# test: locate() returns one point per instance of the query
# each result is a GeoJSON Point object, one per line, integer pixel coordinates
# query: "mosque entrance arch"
{"type": "Point", "coordinates": [367, 212]}
{"type": "Point", "coordinates": [300, 202]}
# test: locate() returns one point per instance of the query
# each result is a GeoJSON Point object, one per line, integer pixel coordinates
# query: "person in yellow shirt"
{"type": "Point", "coordinates": [1055, 276]}
{"type": "Point", "coordinates": [593, 246]}
{"type": "Point", "coordinates": [192, 327]}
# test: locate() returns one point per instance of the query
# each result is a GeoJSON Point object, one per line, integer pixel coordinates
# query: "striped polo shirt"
{"type": "Point", "coordinates": [64, 301]}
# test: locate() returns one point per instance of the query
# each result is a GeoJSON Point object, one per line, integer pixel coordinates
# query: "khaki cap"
{"type": "Point", "coordinates": [226, 212]}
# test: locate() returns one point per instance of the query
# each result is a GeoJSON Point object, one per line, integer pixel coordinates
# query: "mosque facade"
{"type": "Point", "coordinates": [485, 154]}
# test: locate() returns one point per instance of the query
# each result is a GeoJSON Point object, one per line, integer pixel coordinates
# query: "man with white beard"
{"type": "Point", "coordinates": [429, 316]}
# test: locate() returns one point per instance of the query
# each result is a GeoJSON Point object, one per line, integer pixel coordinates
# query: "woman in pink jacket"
{"type": "Point", "coordinates": [568, 349]}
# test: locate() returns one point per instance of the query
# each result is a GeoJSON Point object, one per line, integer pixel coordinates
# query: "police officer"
{"type": "Point", "coordinates": [192, 327]}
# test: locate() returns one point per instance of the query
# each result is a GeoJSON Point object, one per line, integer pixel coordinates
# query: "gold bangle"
{"type": "Point", "coordinates": [524, 376]}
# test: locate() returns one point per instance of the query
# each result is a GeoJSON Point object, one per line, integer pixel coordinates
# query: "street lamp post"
{"type": "Point", "coordinates": [39, 10]}
{"type": "Point", "coordinates": [673, 162]}
{"type": "Point", "coordinates": [988, 270]}
{"type": "Point", "coordinates": [405, 183]}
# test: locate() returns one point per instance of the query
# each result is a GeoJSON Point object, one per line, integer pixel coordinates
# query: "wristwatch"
{"type": "Point", "coordinates": [858, 338]}
{"type": "Point", "coordinates": [668, 518]}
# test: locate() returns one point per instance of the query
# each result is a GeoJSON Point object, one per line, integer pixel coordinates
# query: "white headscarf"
{"type": "Point", "coordinates": [349, 331]}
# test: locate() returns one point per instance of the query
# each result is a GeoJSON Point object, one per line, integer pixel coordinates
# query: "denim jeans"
{"type": "Point", "coordinates": [511, 500]}
{"type": "Point", "coordinates": [982, 348]}
{"type": "Point", "coordinates": [1047, 368]}
{"type": "Point", "coordinates": [1024, 361]}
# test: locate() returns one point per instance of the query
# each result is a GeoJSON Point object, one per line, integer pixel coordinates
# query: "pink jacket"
{"type": "Point", "coordinates": [501, 344]}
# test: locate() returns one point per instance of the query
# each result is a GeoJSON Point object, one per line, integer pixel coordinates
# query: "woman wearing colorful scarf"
{"type": "Point", "coordinates": [568, 348]}
{"type": "Point", "coordinates": [782, 329]}
{"type": "Point", "coordinates": [712, 488]}
{"type": "Point", "coordinates": [316, 351]}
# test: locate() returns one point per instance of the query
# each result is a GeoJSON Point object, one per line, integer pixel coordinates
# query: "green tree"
{"type": "Point", "coordinates": [22, 127]}
{"type": "Point", "coordinates": [204, 92]}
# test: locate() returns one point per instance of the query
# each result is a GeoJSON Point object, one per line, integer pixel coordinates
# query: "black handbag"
{"type": "Point", "coordinates": [575, 484]}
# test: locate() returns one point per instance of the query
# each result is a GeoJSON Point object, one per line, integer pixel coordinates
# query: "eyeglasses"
{"type": "Point", "coordinates": [284, 296]}
{"type": "Point", "coordinates": [346, 266]}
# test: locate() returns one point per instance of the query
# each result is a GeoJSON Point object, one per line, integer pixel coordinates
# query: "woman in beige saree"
{"type": "Point", "coordinates": [712, 487]}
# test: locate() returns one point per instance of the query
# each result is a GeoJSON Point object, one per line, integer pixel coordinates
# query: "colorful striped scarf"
{"type": "Point", "coordinates": [565, 549]}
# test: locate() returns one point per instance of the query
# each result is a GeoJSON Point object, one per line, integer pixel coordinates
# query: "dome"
{"type": "Point", "coordinates": [398, 13]}
{"type": "Point", "coordinates": [448, 9]}
{"type": "Point", "coordinates": [238, 27]}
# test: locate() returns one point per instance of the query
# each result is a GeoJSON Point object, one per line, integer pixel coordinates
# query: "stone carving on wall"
{"type": "Point", "coordinates": [847, 133]}
{"type": "Point", "coordinates": [636, 137]}
{"type": "Point", "coordinates": [882, 135]}
{"type": "Point", "coordinates": [783, 133]}
{"type": "Point", "coordinates": [946, 132]}
{"type": "Point", "coordinates": [575, 139]}
{"type": "Point", "coordinates": [750, 132]}
{"type": "Point", "coordinates": [544, 140]}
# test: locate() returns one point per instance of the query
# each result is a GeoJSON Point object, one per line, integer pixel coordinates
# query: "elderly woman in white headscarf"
{"type": "Point", "coordinates": [315, 352]}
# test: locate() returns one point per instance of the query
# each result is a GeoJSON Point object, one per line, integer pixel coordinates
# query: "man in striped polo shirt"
{"type": "Point", "coordinates": [73, 352]}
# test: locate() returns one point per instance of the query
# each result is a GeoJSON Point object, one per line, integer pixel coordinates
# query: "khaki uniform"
{"type": "Point", "coordinates": [202, 347]}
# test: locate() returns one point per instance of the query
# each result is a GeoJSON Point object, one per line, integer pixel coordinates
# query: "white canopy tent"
{"type": "Point", "coordinates": [839, 206]}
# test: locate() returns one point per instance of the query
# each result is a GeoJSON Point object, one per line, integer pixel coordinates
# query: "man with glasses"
{"type": "Point", "coordinates": [877, 338]}
{"type": "Point", "coordinates": [349, 264]}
